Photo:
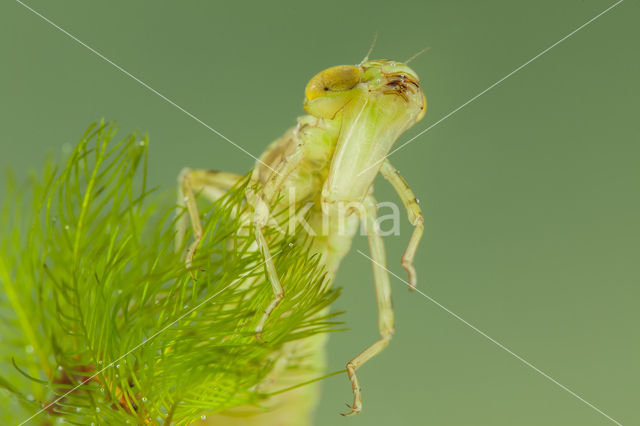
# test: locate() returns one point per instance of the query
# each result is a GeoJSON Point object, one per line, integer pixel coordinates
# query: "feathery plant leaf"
{"type": "Point", "coordinates": [101, 321]}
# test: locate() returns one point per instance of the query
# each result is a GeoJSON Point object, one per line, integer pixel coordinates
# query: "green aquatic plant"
{"type": "Point", "coordinates": [101, 320]}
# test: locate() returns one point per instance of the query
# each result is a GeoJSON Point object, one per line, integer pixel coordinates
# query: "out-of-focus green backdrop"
{"type": "Point", "coordinates": [530, 192]}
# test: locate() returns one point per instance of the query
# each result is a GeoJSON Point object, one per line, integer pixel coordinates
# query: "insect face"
{"type": "Point", "coordinates": [373, 104]}
{"type": "Point", "coordinates": [330, 90]}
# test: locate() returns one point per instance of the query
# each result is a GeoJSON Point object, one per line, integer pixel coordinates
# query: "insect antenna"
{"type": "Point", "coordinates": [416, 55]}
{"type": "Point", "coordinates": [373, 43]}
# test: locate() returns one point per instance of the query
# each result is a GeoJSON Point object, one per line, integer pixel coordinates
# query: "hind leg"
{"type": "Point", "coordinates": [415, 217]}
{"type": "Point", "coordinates": [212, 185]}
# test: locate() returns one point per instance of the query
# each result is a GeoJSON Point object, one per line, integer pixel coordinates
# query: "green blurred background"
{"type": "Point", "coordinates": [530, 192]}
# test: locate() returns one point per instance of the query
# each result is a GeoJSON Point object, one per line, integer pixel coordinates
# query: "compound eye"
{"type": "Point", "coordinates": [335, 79]}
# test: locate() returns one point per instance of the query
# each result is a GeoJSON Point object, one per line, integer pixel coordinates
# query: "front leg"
{"type": "Point", "coordinates": [383, 296]}
{"type": "Point", "coordinates": [415, 217]}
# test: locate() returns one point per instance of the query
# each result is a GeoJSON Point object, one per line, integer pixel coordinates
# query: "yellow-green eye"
{"type": "Point", "coordinates": [335, 79]}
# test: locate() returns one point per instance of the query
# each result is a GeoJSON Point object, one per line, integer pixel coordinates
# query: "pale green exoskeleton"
{"type": "Point", "coordinates": [355, 114]}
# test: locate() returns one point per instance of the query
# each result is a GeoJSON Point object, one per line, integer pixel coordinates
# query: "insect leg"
{"type": "Point", "coordinates": [415, 217]}
{"type": "Point", "coordinates": [213, 185]}
{"type": "Point", "coordinates": [260, 201]}
{"type": "Point", "coordinates": [383, 296]}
